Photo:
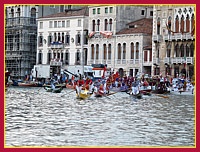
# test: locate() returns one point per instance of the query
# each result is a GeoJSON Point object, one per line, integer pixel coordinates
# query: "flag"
{"type": "Point", "coordinates": [106, 34]}
{"type": "Point", "coordinates": [91, 34]}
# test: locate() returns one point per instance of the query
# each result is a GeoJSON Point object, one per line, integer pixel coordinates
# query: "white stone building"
{"type": "Point", "coordinates": [62, 39]}
{"type": "Point", "coordinates": [117, 42]}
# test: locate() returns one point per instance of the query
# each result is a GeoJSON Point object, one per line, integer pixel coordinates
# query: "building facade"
{"type": "Point", "coordinates": [116, 41]}
{"type": "Point", "coordinates": [173, 40]}
{"type": "Point", "coordinates": [20, 39]}
{"type": "Point", "coordinates": [21, 35]}
{"type": "Point", "coordinates": [62, 39]}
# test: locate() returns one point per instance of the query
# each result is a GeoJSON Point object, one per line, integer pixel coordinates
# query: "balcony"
{"type": "Point", "coordinates": [177, 60]}
{"type": "Point", "coordinates": [167, 60]}
{"type": "Point", "coordinates": [156, 61]}
{"type": "Point", "coordinates": [167, 37]}
{"type": "Point", "coordinates": [55, 63]}
{"type": "Point", "coordinates": [57, 45]}
{"type": "Point", "coordinates": [189, 60]}
{"type": "Point", "coordinates": [157, 38]}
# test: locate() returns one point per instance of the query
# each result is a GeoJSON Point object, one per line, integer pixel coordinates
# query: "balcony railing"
{"type": "Point", "coordinates": [57, 45]}
{"type": "Point", "coordinates": [167, 60]}
{"type": "Point", "coordinates": [189, 60]}
{"type": "Point", "coordinates": [56, 63]}
{"type": "Point", "coordinates": [157, 38]}
{"type": "Point", "coordinates": [156, 61]}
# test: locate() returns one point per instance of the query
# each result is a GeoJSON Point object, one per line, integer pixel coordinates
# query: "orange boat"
{"type": "Point", "coordinates": [70, 86]}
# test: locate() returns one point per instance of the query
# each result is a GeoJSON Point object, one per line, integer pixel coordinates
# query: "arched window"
{"type": "Point", "coordinates": [137, 50]}
{"type": "Point", "coordinates": [177, 24]}
{"type": "Point", "coordinates": [48, 57]}
{"type": "Point", "coordinates": [192, 22]}
{"type": "Point", "coordinates": [93, 25]}
{"type": "Point", "coordinates": [187, 51]}
{"type": "Point", "coordinates": [109, 51]}
{"type": "Point", "coordinates": [67, 57]}
{"type": "Point", "coordinates": [67, 38]}
{"type": "Point", "coordinates": [49, 39]}
{"type": "Point", "coordinates": [182, 50]}
{"type": "Point", "coordinates": [33, 16]}
{"type": "Point", "coordinates": [187, 24]}
{"type": "Point", "coordinates": [124, 50]}
{"type": "Point", "coordinates": [182, 24]}
{"type": "Point", "coordinates": [59, 38]}
{"type": "Point", "coordinates": [78, 57]}
{"type": "Point", "coordinates": [169, 24]}
{"type": "Point", "coordinates": [158, 26]}
{"type": "Point", "coordinates": [104, 52]}
{"type": "Point", "coordinates": [55, 37]}
{"type": "Point", "coordinates": [119, 51]}
{"type": "Point", "coordinates": [97, 51]}
{"type": "Point", "coordinates": [110, 24]}
{"type": "Point", "coordinates": [106, 25]}
{"type": "Point", "coordinates": [168, 50]}
{"type": "Point", "coordinates": [92, 51]}
{"type": "Point", "coordinates": [132, 50]}
{"type": "Point", "coordinates": [176, 50]}
{"type": "Point", "coordinates": [63, 38]}
{"type": "Point", "coordinates": [98, 25]}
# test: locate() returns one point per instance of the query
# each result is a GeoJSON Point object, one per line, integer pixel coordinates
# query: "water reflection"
{"type": "Point", "coordinates": [38, 118]}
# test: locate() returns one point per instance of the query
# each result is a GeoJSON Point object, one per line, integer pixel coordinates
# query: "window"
{"type": "Point", "coordinates": [151, 13]}
{"type": "Point", "coordinates": [109, 51]}
{"type": "Point", "coordinates": [169, 24]}
{"type": "Point", "coordinates": [106, 25]}
{"type": "Point", "coordinates": [55, 24]}
{"type": "Point", "coordinates": [110, 24]}
{"type": "Point", "coordinates": [49, 39]}
{"type": "Point", "coordinates": [119, 51]}
{"type": "Point", "coordinates": [137, 50]}
{"type": "Point", "coordinates": [92, 51]}
{"type": "Point", "coordinates": [63, 23]}
{"type": "Point", "coordinates": [158, 26]}
{"type": "Point", "coordinates": [67, 39]}
{"type": "Point", "coordinates": [52, 6]}
{"type": "Point", "coordinates": [169, 51]}
{"type": "Point", "coordinates": [187, 24]}
{"type": "Point", "coordinates": [79, 23]}
{"type": "Point", "coordinates": [98, 25]}
{"type": "Point", "coordinates": [182, 24]}
{"type": "Point", "coordinates": [98, 10]}
{"type": "Point", "coordinates": [59, 24]}
{"type": "Point", "coordinates": [142, 12]}
{"type": "Point", "coordinates": [97, 51]}
{"type": "Point", "coordinates": [124, 50]}
{"type": "Point", "coordinates": [132, 50]}
{"type": "Point", "coordinates": [111, 9]}
{"type": "Point", "coordinates": [177, 24]}
{"type": "Point", "coordinates": [68, 23]}
{"type": "Point", "coordinates": [50, 24]}
{"type": "Point", "coordinates": [41, 25]}
{"type": "Point", "coordinates": [93, 25]}
{"type": "Point", "coordinates": [106, 10]}
{"type": "Point", "coordinates": [94, 11]}
{"type": "Point", "coordinates": [145, 55]}
{"type": "Point", "coordinates": [104, 52]}
{"type": "Point", "coordinates": [78, 39]}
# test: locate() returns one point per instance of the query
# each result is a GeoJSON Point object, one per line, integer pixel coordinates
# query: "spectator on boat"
{"type": "Point", "coordinates": [135, 87]}
{"type": "Point", "coordinates": [145, 84]}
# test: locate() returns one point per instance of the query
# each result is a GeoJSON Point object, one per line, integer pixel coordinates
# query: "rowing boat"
{"type": "Point", "coordinates": [83, 95]}
{"type": "Point", "coordinates": [56, 90]}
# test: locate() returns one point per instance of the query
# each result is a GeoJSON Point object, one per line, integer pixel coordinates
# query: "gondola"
{"type": "Point", "coordinates": [56, 90]}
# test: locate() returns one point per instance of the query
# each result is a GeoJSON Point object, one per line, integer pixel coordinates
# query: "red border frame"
{"type": "Point", "coordinates": [90, 149]}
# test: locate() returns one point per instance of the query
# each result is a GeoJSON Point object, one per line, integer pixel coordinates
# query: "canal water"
{"type": "Point", "coordinates": [34, 117]}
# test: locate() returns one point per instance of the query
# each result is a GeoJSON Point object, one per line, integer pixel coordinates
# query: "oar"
{"type": "Point", "coordinates": [68, 93]}
{"type": "Point", "coordinates": [40, 88]}
{"type": "Point", "coordinates": [162, 96]}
